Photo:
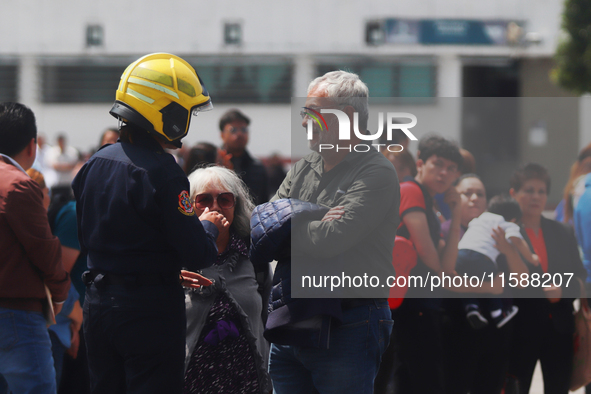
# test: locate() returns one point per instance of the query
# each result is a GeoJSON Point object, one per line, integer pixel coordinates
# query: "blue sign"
{"type": "Point", "coordinates": [452, 32]}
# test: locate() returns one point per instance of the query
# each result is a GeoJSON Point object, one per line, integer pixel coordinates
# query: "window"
{"type": "Point", "coordinates": [228, 80]}
{"type": "Point", "coordinates": [390, 79]}
{"type": "Point", "coordinates": [8, 82]}
{"type": "Point", "coordinates": [79, 83]}
{"type": "Point", "coordinates": [235, 83]}
{"type": "Point", "coordinates": [94, 35]}
{"type": "Point", "coordinates": [374, 33]}
{"type": "Point", "coordinates": [416, 81]}
{"type": "Point", "coordinates": [232, 33]}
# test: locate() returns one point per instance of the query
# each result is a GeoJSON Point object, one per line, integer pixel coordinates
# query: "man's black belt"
{"type": "Point", "coordinates": [145, 279]}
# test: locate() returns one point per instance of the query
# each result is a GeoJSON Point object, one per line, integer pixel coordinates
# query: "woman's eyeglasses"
{"type": "Point", "coordinates": [205, 200]}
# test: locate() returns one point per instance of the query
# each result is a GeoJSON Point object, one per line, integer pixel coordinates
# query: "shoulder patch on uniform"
{"type": "Point", "coordinates": [185, 206]}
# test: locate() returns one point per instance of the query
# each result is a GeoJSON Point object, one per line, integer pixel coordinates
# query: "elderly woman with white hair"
{"type": "Point", "coordinates": [226, 351]}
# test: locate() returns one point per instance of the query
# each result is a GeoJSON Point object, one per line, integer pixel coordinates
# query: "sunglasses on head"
{"type": "Point", "coordinates": [205, 200]}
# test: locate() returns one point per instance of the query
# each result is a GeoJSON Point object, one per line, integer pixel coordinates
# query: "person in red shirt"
{"type": "Point", "coordinates": [544, 326]}
{"type": "Point", "coordinates": [417, 330]}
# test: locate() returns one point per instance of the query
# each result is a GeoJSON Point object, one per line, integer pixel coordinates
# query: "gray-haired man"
{"type": "Point", "coordinates": [362, 191]}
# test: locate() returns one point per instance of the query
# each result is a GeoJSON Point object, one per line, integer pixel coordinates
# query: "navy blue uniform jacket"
{"type": "Point", "coordinates": [134, 212]}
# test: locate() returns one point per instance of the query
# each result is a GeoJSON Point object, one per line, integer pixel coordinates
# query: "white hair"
{"type": "Point", "coordinates": [345, 88]}
{"type": "Point", "coordinates": [203, 178]}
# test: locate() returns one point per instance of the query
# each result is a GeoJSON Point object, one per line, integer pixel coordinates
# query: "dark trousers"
{"type": "Point", "coordinates": [541, 342]}
{"type": "Point", "coordinates": [417, 331]}
{"type": "Point", "coordinates": [75, 379]}
{"type": "Point", "coordinates": [475, 263]}
{"type": "Point", "coordinates": [135, 338]}
{"type": "Point", "coordinates": [476, 361]}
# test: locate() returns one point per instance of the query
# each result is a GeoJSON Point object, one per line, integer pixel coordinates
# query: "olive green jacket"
{"type": "Point", "coordinates": [358, 244]}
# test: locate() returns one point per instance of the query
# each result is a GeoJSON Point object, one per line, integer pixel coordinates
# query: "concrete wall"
{"type": "Point", "coordinates": [57, 27]}
{"type": "Point", "coordinates": [34, 31]}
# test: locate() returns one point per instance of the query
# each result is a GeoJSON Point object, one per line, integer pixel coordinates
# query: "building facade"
{"type": "Point", "coordinates": [64, 58]}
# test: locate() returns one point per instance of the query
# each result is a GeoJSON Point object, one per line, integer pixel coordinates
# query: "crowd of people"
{"type": "Point", "coordinates": [145, 266]}
{"type": "Point", "coordinates": [451, 345]}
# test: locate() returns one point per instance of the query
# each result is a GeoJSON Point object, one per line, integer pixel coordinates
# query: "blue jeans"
{"type": "Point", "coordinates": [25, 352]}
{"type": "Point", "coordinates": [58, 351]}
{"type": "Point", "coordinates": [349, 365]}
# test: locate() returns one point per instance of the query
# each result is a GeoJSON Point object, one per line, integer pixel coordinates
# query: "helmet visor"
{"type": "Point", "coordinates": [208, 106]}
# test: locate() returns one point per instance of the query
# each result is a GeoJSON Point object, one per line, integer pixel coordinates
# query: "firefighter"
{"type": "Point", "coordinates": [138, 226]}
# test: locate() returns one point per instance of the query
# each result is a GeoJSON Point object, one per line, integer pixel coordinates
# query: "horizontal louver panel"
{"type": "Point", "coordinates": [391, 80]}
{"type": "Point", "coordinates": [79, 84]}
{"type": "Point", "coordinates": [267, 84]}
{"type": "Point", "coordinates": [225, 83]}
